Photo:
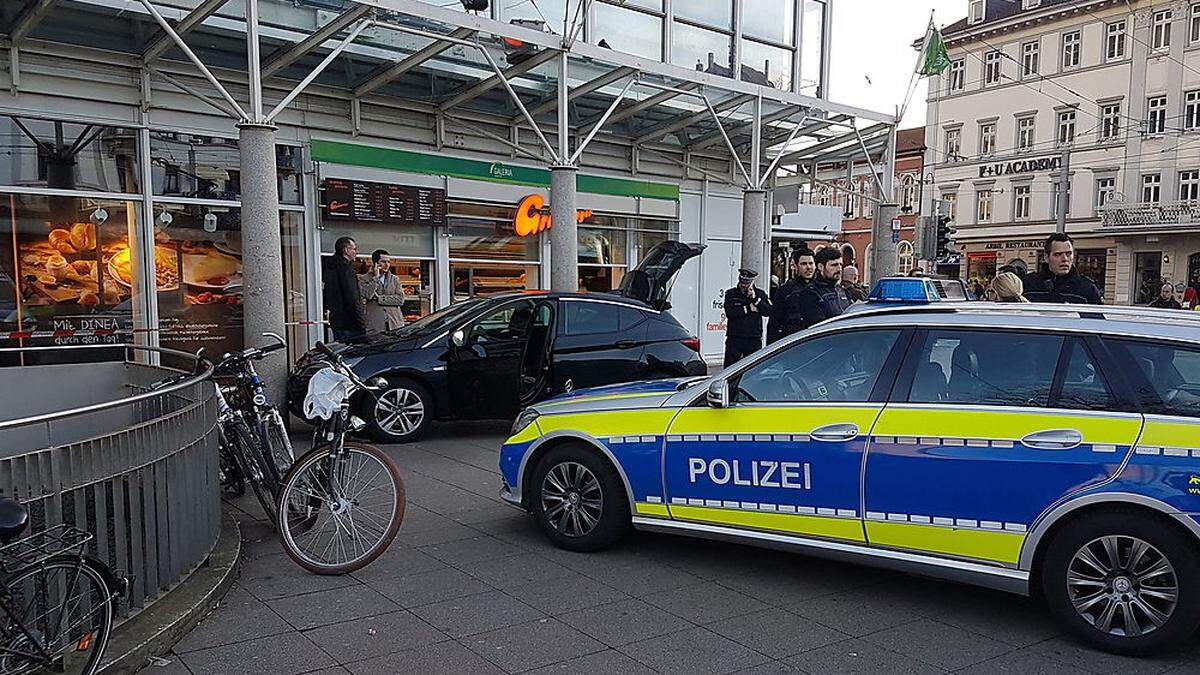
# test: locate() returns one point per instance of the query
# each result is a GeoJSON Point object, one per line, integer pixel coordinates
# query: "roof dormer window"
{"type": "Point", "coordinates": [977, 11]}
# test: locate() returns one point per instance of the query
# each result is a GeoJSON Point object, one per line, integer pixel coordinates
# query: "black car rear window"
{"type": "Point", "coordinates": [587, 318]}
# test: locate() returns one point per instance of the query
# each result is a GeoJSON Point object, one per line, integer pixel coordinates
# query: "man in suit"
{"type": "Point", "coordinates": [383, 293]}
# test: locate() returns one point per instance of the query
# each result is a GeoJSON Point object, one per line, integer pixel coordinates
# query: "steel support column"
{"type": "Point", "coordinates": [564, 238]}
{"type": "Point", "coordinates": [754, 229]}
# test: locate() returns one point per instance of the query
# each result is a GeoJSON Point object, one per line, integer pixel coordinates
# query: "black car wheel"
{"type": "Point", "coordinates": [578, 499]}
{"type": "Point", "coordinates": [1124, 582]}
{"type": "Point", "coordinates": [400, 413]}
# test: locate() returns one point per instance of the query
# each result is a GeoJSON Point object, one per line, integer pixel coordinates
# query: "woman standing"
{"type": "Point", "coordinates": [1007, 287]}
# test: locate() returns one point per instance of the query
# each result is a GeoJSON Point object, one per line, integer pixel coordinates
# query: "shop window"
{"type": "Point", "coordinates": [479, 280]}
{"type": "Point", "coordinates": [705, 50]}
{"type": "Point", "coordinates": [68, 156]}
{"type": "Point", "coordinates": [207, 167]}
{"type": "Point", "coordinates": [1092, 263]}
{"type": "Point", "coordinates": [812, 48]}
{"type": "Point", "coordinates": [716, 13]}
{"type": "Point", "coordinates": [766, 65]}
{"type": "Point", "coordinates": [489, 239]}
{"type": "Point", "coordinates": [772, 20]}
{"type": "Point", "coordinates": [627, 30]}
{"type": "Point", "coordinates": [1147, 276]}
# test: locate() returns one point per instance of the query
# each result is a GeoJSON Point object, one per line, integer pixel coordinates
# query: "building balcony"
{"type": "Point", "coordinates": [1174, 215]}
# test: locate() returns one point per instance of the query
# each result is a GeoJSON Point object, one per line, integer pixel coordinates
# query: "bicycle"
{"type": "Point", "coordinates": [341, 504]}
{"type": "Point", "coordinates": [56, 601]}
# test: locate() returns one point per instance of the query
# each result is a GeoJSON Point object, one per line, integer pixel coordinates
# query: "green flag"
{"type": "Point", "coordinates": [934, 57]}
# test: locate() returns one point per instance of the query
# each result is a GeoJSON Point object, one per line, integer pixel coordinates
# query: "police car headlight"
{"type": "Point", "coordinates": [523, 420]}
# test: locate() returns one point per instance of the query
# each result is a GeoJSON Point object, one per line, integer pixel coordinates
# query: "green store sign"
{"type": "Point", "coordinates": [335, 152]}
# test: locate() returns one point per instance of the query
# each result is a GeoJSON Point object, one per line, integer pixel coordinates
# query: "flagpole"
{"type": "Point", "coordinates": [912, 82]}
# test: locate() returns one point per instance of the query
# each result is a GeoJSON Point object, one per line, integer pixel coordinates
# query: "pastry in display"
{"type": "Point", "coordinates": [83, 236]}
{"type": "Point", "coordinates": [89, 299]}
{"type": "Point", "coordinates": [60, 239]}
{"type": "Point", "coordinates": [57, 266]}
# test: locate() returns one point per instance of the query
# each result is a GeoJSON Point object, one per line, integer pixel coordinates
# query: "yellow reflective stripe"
{"type": "Point", "coordinates": [817, 526]}
{"type": "Point", "coordinates": [609, 397]}
{"type": "Point", "coordinates": [1171, 434]}
{"type": "Point", "coordinates": [1004, 547]}
{"type": "Point", "coordinates": [529, 433]}
{"type": "Point", "coordinates": [775, 419]}
{"type": "Point", "coordinates": [659, 510]}
{"type": "Point", "coordinates": [947, 422]}
{"type": "Point", "coordinates": [610, 422]}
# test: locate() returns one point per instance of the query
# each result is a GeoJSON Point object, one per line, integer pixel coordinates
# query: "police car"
{"type": "Point", "coordinates": [1048, 450]}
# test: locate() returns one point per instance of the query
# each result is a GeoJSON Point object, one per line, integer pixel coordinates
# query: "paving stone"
{"type": "Point", "coordinates": [427, 587]}
{"type": "Point", "coordinates": [374, 636]}
{"type": "Point", "coordinates": [783, 586]}
{"type": "Point", "coordinates": [1022, 663]}
{"type": "Point", "coordinates": [1008, 618]}
{"type": "Point", "coordinates": [399, 562]}
{"type": "Point", "coordinates": [559, 595]}
{"type": "Point", "coordinates": [446, 531]}
{"type": "Point", "coordinates": [518, 570]}
{"type": "Point", "coordinates": [239, 617]}
{"type": "Point", "coordinates": [1068, 651]}
{"type": "Point", "coordinates": [857, 613]}
{"type": "Point", "coordinates": [338, 670]}
{"type": "Point", "coordinates": [277, 576]}
{"type": "Point", "coordinates": [776, 633]}
{"type": "Point", "coordinates": [532, 645]}
{"type": "Point", "coordinates": [477, 613]}
{"type": "Point", "coordinates": [326, 607]}
{"type": "Point", "coordinates": [695, 650]}
{"type": "Point", "coordinates": [704, 603]}
{"type": "Point", "coordinates": [608, 662]}
{"type": "Point", "coordinates": [444, 658]}
{"type": "Point", "coordinates": [858, 657]}
{"type": "Point", "coordinates": [172, 666]}
{"type": "Point", "coordinates": [464, 551]}
{"type": "Point", "coordinates": [771, 668]}
{"type": "Point", "coordinates": [285, 654]}
{"type": "Point", "coordinates": [623, 622]}
{"type": "Point", "coordinates": [939, 644]}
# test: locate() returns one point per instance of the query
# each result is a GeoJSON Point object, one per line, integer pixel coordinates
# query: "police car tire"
{"type": "Point", "coordinates": [615, 516]}
{"type": "Point", "coordinates": [381, 435]}
{"type": "Point", "coordinates": [1174, 546]}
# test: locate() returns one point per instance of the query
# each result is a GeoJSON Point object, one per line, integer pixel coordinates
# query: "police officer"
{"type": "Point", "coordinates": [745, 307]}
{"type": "Point", "coordinates": [803, 269]}
{"type": "Point", "coordinates": [825, 297]}
{"type": "Point", "coordinates": [1059, 281]}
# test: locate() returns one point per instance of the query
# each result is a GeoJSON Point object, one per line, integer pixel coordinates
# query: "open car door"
{"type": "Point", "coordinates": [651, 281]}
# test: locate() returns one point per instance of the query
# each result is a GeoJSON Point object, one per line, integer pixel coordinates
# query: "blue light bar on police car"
{"type": "Point", "coordinates": [904, 289]}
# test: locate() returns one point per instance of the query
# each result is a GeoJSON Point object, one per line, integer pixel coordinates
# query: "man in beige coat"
{"type": "Point", "coordinates": [383, 294]}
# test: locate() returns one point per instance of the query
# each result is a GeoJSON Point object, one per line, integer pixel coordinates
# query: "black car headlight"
{"type": "Point", "coordinates": [523, 420]}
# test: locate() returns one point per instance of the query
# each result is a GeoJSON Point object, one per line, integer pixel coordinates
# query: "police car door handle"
{"type": "Point", "coordinates": [1053, 439]}
{"type": "Point", "coordinates": [835, 433]}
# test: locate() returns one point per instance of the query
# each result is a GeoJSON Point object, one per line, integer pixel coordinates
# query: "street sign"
{"type": "Point", "coordinates": [895, 236]}
{"type": "Point", "coordinates": [895, 224]}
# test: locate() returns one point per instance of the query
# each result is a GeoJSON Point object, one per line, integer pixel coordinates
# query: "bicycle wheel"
{"type": "Point", "coordinates": [62, 609]}
{"type": "Point", "coordinates": [359, 498]}
{"type": "Point", "coordinates": [248, 453]}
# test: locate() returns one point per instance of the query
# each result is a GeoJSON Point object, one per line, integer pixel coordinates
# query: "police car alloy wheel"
{"type": "Point", "coordinates": [578, 499]}
{"type": "Point", "coordinates": [1124, 582]}
{"type": "Point", "coordinates": [398, 414]}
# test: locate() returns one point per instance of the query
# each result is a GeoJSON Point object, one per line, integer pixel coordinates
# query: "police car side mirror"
{"type": "Point", "coordinates": [718, 394]}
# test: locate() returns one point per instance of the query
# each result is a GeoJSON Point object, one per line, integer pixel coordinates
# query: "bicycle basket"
{"type": "Point", "coordinates": [41, 546]}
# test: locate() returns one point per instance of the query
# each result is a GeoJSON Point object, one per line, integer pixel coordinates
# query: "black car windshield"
{"type": "Point", "coordinates": [443, 318]}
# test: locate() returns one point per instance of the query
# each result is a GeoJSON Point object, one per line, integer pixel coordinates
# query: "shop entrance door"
{"type": "Point", "coordinates": [1147, 277]}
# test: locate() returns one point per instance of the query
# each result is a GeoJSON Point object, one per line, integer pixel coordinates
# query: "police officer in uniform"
{"type": "Point", "coordinates": [745, 307]}
{"type": "Point", "coordinates": [825, 297]}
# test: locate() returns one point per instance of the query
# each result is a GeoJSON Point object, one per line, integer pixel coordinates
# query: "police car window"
{"type": "Point", "coordinates": [585, 318]}
{"type": "Point", "coordinates": [1174, 375]}
{"type": "Point", "coordinates": [510, 322]}
{"type": "Point", "coordinates": [1083, 386]}
{"type": "Point", "coordinates": [841, 367]}
{"type": "Point", "coordinates": [986, 368]}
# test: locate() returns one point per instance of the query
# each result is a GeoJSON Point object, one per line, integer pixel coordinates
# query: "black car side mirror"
{"type": "Point", "coordinates": [458, 338]}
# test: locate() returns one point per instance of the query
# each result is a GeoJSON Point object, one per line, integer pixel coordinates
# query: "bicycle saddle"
{"type": "Point", "coordinates": [14, 518]}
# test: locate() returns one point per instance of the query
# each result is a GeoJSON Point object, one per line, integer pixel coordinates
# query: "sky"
{"type": "Point", "coordinates": [872, 59]}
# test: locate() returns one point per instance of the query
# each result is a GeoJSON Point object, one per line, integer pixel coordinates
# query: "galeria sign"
{"type": "Point", "coordinates": [533, 216]}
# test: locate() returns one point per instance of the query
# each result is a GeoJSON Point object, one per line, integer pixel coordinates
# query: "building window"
{"type": "Point", "coordinates": [951, 204]}
{"type": "Point", "coordinates": [987, 139]}
{"type": "Point", "coordinates": [983, 207]}
{"type": "Point", "coordinates": [767, 65]}
{"type": "Point", "coordinates": [1156, 115]}
{"type": "Point", "coordinates": [908, 193]}
{"type": "Point", "coordinates": [812, 49]}
{"type": "Point", "coordinates": [1105, 187]}
{"type": "Point", "coordinates": [1021, 198]}
{"type": "Point", "coordinates": [1071, 46]}
{"type": "Point", "coordinates": [1160, 35]}
{"type": "Point", "coordinates": [953, 145]}
{"type": "Point", "coordinates": [1025, 132]}
{"type": "Point", "coordinates": [1151, 188]}
{"type": "Point", "coordinates": [958, 75]}
{"type": "Point", "coordinates": [1110, 121]}
{"type": "Point", "coordinates": [1054, 205]}
{"type": "Point", "coordinates": [1115, 41]}
{"type": "Point", "coordinates": [1030, 53]}
{"type": "Point", "coordinates": [628, 30]}
{"type": "Point", "coordinates": [906, 261]}
{"type": "Point", "coordinates": [1066, 127]}
{"type": "Point", "coordinates": [1189, 186]}
{"type": "Point", "coordinates": [991, 68]}
{"type": "Point", "coordinates": [1194, 24]}
{"type": "Point", "coordinates": [1191, 109]}
{"type": "Point", "coordinates": [976, 11]}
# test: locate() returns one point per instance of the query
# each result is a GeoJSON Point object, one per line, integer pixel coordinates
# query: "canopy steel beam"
{"type": "Point", "coordinates": [813, 151]}
{"type": "Point", "coordinates": [655, 100]}
{"type": "Point", "coordinates": [194, 18]}
{"type": "Point", "coordinates": [714, 138]}
{"type": "Point", "coordinates": [29, 20]}
{"type": "Point", "coordinates": [389, 73]}
{"type": "Point", "coordinates": [600, 124]}
{"type": "Point", "coordinates": [671, 127]}
{"type": "Point", "coordinates": [500, 77]}
{"type": "Point", "coordinates": [316, 72]}
{"type": "Point", "coordinates": [218, 105]}
{"type": "Point", "coordinates": [814, 126]}
{"type": "Point", "coordinates": [314, 41]}
{"type": "Point", "coordinates": [512, 95]}
{"type": "Point", "coordinates": [582, 90]}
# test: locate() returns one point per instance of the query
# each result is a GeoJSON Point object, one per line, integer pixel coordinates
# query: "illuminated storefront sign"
{"type": "Point", "coordinates": [533, 216]}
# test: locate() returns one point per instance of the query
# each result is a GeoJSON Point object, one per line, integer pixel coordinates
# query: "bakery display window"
{"type": "Point", "coordinates": [480, 280]}
{"type": "Point", "coordinates": [68, 156]}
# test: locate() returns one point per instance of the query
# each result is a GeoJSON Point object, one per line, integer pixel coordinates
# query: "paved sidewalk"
{"type": "Point", "coordinates": [471, 586]}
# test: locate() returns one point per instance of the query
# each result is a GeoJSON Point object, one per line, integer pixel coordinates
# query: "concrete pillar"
{"type": "Point", "coordinates": [883, 251]}
{"type": "Point", "coordinates": [262, 250]}
{"type": "Point", "coordinates": [564, 235]}
{"type": "Point", "coordinates": [754, 232]}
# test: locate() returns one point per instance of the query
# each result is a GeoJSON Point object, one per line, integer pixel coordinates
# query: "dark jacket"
{"type": "Point", "coordinates": [779, 309]}
{"type": "Point", "coordinates": [742, 321]}
{"type": "Point", "coordinates": [822, 299]}
{"type": "Point", "coordinates": [1045, 286]}
{"type": "Point", "coordinates": [342, 299]}
{"type": "Point", "coordinates": [1166, 304]}
{"type": "Point", "coordinates": [856, 292]}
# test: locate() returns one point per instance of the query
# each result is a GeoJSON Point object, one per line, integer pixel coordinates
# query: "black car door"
{"type": "Point", "coordinates": [484, 371]}
{"type": "Point", "coordinates": [597, 343]}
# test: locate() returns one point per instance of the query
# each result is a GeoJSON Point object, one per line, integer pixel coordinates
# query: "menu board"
{"type": "Point", "coordinates": [383, 203]}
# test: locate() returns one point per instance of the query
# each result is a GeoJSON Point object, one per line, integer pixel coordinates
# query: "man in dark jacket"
{"type": "Point", "coordinates": [803, 269]}
{"type": "Point", "coordinates": [1166, 298]}
{"type": "Point", "coordinates": [825, 297]}
{"type": "Point", "coordinates": [745, 307]}
{"type": "Point", "coordinates": [1059, 281]}
{"type": "Point", "coordinates": [347, 316]}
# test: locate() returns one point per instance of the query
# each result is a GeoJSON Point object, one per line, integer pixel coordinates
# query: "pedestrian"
{"type": "Point", "coordinates": [804, 267]}
{"type": "Point", "coordinates": [1191, 296]}
{"type": "Point", "coordinates": [383, 294]}
{"type": "Point", "coordinates": [916, 273]}
{"type": "Point", "coordinates": [347, 317]}
{"type": "Point", "coordinates": [850, 283]}
{"type": "Point", "coordinates": [745, 307]}
{"type": "Point", "coordinates": [1059, 281]}
{"type": "Point", "coordinates": [1007, 287]}
{"type": "Point", "coordinates": [1166, 298]}
{"type": "Point", "coordinates": [978, 290]}
{"type": "Point", "coordinates": [825, 297]}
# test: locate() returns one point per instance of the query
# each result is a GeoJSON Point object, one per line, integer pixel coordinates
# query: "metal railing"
{"type": "Point", "coordinates": [1184, 212]}
{"type": "Point", "coordinates": [96, 448]}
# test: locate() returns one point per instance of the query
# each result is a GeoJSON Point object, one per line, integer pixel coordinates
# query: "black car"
{"type": "Point", "coordinates": [488, 358]}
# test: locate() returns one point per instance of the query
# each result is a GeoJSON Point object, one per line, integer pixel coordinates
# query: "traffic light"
{"type": "Point", "coordinates": [516, 50]}
{"type": "Point", "coordinates": [945, 236]}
